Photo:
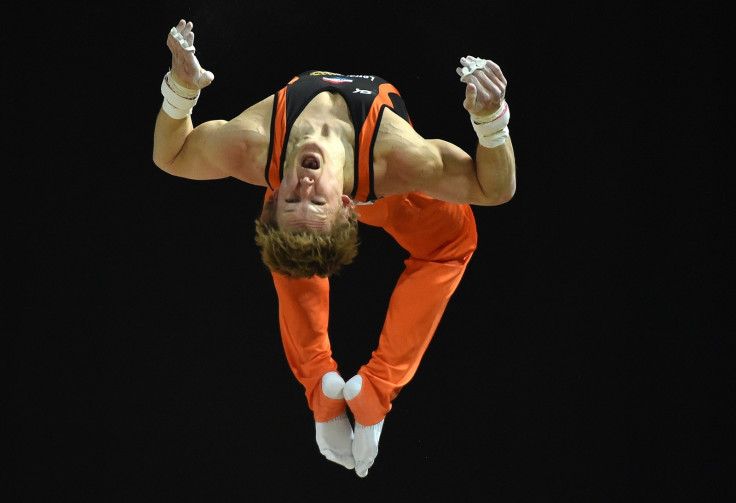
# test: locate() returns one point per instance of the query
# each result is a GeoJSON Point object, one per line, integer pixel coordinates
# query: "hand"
{"type": "Point", "coordinates": [486, 85]}
{"type": "Point", "coordinates": [185, 67]}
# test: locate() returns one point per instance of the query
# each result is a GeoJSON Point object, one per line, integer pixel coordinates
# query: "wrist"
{"type": "Point", "coordinates": [492, 129]}
{"type": "Point", "coordinates": [178, 100]}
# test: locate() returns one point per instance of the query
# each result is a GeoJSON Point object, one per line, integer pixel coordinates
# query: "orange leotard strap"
{"type": "Point", "coordinates": [367, 138]}
{"type": "Point", "coordinates": [273, 175]}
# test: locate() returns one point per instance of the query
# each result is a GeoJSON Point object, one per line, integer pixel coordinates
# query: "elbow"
{"type": "Point", "coordinates": [501, 199]}
{"type": "Point", "coordinates": [501, 196]}
{"type": "Point", "coordinates": [156, 160]}
{"type": "Point", "coordinates": [508, 194]}
{"type": "Point", "coordinates": [161, 163]}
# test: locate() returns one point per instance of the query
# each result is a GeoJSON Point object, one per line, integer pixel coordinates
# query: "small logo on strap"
{"type": "Point", "coordinates": [337, 80]}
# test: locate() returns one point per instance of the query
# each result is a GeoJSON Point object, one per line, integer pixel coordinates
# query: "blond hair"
{"type": "Point", "coordinates": [303, 253]}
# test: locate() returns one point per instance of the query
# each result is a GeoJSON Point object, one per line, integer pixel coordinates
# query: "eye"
{"type": "Point", "coordinates": [291, 200]}
{"type": "Point", "coordinates": [318, 203]}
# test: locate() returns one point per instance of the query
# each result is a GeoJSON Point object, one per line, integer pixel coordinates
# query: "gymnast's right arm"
{"type": "Point", "coordinates": [214, 149]}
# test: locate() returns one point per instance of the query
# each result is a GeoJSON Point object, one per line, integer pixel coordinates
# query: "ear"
{"type": "Point", "coordinates": [275, 195]}
{"type": "Point", "coordinates": [344, 210]}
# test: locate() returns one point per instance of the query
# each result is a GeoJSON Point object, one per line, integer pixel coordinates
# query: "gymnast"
{"type": "Point", "coordinates": [333, 150]}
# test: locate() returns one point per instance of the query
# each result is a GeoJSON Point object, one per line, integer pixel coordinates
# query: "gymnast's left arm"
{"type": "Point", "coordinates": [443, 170]}
{"type": "Point", "coordinates": [485, 94]}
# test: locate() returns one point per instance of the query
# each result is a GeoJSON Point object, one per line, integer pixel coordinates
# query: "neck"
{"type": "Point", "coordinates": [338, 153]}
{"type": "Point", "coordinates": [326, 120]}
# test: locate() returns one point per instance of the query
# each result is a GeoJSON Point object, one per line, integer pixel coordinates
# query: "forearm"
{"type": "Point", "coordinates": [495, 166]}
{"type": "Point", "coordinates": [496, 172]}
{"type": "Point", "coordinates": [179, 148]}
{"type": "Point", "coordinates": [169, 137]}
{"type": "Point", "coordinates": [494, 158]}
{"type": "Point", "coordinates": [174, 123]}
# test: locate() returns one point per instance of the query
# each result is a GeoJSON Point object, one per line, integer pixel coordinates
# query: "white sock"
{"type": "Point", "coordinates": [365, 441]}
{"type": "Point", "coordinates": [332, 385]}
{"type": "Point", "coordinates": [335, 437]}
{"type": "Point", "coordinates": [365, 446]}
{"type": "Point", "coordinates": [335, 440]}
{"type": "Point", "coordinates": [353, 387]}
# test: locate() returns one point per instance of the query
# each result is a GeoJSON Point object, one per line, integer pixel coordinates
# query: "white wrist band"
{"type": "Point", "coordinates": [178, 100]}
{"type": "Point", "coordinates": [492, 129]}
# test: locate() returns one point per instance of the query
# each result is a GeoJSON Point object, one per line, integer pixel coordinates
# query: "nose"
{"type": "Point", "coordinates": [306, 186]}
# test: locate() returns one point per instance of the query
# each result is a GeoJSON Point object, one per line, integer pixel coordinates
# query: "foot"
{"type": "Point", "coordinates": [365, 446]}
{"type": "Point", "coordinates": [365, 441]}
{"type": "Point", "coordinates": [335, 440]}
{"type": "Point", "coordinates": [335, 437]}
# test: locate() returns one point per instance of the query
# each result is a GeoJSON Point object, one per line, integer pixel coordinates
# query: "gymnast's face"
{"type": "Point", "coordinates": [310, 196]}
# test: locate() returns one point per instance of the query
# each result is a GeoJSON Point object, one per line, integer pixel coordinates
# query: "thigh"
{"type": "Point", "coordinates": [429, 229]}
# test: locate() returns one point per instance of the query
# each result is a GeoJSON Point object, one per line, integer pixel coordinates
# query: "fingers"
{"type": "Point", "coordinates": [183, 35]}
{"type": "Point", "coordinates": [471, 97]}
{"type": "Point", "coordinates": [472, 66]}
{"type": "Point", "coordinates": [184, 28]}
{"type": "Point", "coordinates": [493, 67]}
{"type": "Point", "coordinates": [490, 83]}
{"type": "Point", "coordinates": [469, 65]}
{"type": "Point", "coordinates": [184, 64]}
{"type": "Point", "coordinates": [484, 89]}
{"type": "Point", "coordinates": [186, 33]}
{"type": "Point", "coordinates": [175, 32]}
{"type": "Point", "coordinates": [486, 84]}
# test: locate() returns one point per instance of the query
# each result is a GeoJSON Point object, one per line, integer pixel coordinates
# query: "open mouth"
{"type": "Point", "coordinates": [310, 161]}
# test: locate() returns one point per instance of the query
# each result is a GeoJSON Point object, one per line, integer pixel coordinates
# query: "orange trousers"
{"type": "Point", "coordinates": [440, 238]}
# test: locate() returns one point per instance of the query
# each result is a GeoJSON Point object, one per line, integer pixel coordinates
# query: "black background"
{"type": "Point", "coordinates": [584, 356]}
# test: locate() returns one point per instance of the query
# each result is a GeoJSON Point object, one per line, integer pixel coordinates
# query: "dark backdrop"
{"type": "Point", "coordinates": [583, 357]}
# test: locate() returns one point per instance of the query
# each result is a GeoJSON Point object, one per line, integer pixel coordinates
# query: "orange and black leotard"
{"type": "Point", "coordinates": [440, 238]}
{"type": "Point", "coordinates": [367, 96]}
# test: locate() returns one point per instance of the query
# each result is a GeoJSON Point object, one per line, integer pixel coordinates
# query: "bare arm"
{"type": "Point", "coordinates": [445, 171]}
{"type": "Point", "coordinates": [490, 180]}
{"type": "Point", "coordinates": [214, 149]}
{"type": "Point", "coordinates": [485, 94]}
